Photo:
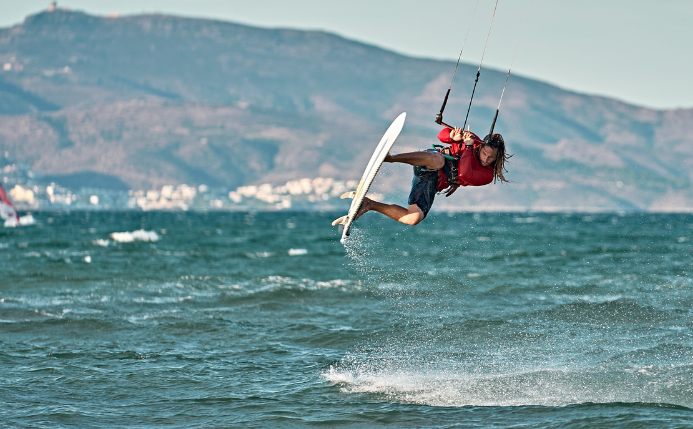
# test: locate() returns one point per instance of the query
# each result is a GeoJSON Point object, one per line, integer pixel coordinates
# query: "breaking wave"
{"type": "Point", "coordinates": [139, 235]}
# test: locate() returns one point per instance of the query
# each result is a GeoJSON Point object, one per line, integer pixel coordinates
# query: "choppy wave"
{"type": "Point", "coordinates": [259, 254]}
{"type": "Point", "coordinates": [138, 235]}
{"type": "Point", "coordinates": [465, 320]}
{"type": "Point", "coordinates": [279, 283]}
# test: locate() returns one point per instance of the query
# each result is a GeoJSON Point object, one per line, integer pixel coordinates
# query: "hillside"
{"type": "Point", "coordinates": [149, 100]}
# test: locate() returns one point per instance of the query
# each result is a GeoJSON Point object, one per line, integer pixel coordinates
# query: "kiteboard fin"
{"type": "Point", "coordinates": [350, 195]}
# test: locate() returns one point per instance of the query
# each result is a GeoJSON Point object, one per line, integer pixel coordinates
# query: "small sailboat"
{"type": "Point", "coordinates": [7, 211]}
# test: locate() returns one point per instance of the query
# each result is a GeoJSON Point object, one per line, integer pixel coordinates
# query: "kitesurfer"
{"type": "Point", "coordinates": [468, 161]}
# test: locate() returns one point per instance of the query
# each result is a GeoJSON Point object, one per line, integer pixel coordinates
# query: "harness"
{"type": "Point", "coordinates": [450, 169]}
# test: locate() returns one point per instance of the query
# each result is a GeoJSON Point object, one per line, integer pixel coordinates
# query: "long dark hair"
{"type": "Point", "coordinates": [495, 141]}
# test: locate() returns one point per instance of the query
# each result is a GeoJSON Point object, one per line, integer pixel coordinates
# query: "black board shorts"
{"type": "Point", "coordinates": [423, 188]}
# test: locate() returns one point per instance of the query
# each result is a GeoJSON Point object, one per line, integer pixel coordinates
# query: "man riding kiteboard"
{"type": "Point", "coordinates": [468, 161]}
{"type": "Point", "coordinates": [475, 162]}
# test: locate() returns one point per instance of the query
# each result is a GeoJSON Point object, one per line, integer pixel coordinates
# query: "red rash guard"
{"type": "Point", "coordinates": [470, 171]}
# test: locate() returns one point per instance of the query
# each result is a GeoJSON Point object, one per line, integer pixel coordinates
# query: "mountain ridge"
{"type": "Point", "coordinates": [155, 99]}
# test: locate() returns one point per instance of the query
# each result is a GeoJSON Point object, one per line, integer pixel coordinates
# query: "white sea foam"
{"type": "Point", "coordinates": [259, 255]}
{"type": "Point", "coordinates": [139, 235]}
{"type": "Point", "coordinates": [530, 219]}
{"type": "Point", "coordinates": [297, 252]}
{"type": "Point", "coordinates": [276, 283]}
{"type": "Point", "coordinates": [541, 386]}
{"type": "Point", "coordinates": [101, 242]}
{"type": "Point", "coordinates": [600, 299]}
{"type": "Point", "coordinates": [161, 299]}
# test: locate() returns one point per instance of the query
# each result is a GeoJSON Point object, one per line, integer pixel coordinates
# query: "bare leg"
{"type": "Point", "coordinates": [430, 160]}
{"type": "Point", "coordinates": [409, 216]}
{"type": "Point", "coordinates": [412, 215]}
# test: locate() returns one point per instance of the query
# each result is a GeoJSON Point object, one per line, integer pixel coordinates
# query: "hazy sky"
{"type": "Point", "coordinates": [634, 50]}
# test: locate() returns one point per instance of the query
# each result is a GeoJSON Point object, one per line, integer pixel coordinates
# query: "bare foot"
{"type": "Point", "coordinates": [389, 158]}
{"type": "Point", "coordinates": [365, 207]}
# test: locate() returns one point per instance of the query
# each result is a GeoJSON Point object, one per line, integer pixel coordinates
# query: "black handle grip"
{"type": "Point", "coordinates": [493, 124]}
{"type": "Point", "coordinates": [439, 116]}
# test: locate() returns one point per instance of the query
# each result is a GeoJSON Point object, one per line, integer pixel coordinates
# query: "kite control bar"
{"type": "Point", "coordinates": [493, 124]}
{"type": "Point", "coordinates": [439, 116]}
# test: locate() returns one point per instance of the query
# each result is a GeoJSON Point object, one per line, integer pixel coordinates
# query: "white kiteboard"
{"type": "Point", "coordinates": [374, 164]}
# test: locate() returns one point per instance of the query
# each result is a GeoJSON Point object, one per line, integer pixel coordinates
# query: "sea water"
{"type": "Point", "coordinates": [128, 319]}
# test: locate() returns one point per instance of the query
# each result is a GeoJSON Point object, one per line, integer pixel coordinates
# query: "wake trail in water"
{"type": "Point", "coordinates": [442, 349]}
{"type": "Point", "coordinates": [541, 386]}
